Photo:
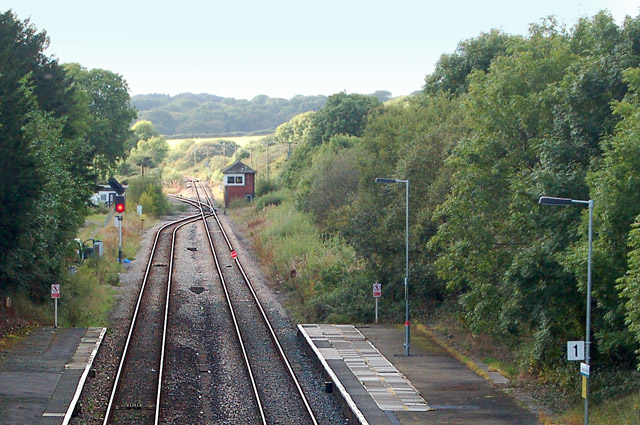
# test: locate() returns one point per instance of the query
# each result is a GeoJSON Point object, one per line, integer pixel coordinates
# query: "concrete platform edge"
{"type": "Point", "coordinates": [344, 397]}
{"type": "Point", "coordinates": [83, 378]}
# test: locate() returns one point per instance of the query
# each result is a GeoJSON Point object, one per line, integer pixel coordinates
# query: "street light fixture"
{"type": "Point", "coordinates": [407, 330]}
{"type": "Point", "coordinates": [548, 200]}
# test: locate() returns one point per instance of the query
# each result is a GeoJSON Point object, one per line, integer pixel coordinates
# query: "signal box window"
{"type": "Point", "coordinates": [234, 180]}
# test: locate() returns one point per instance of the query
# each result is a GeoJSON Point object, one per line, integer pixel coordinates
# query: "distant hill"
{"type": "Point", "coordinates": [207, 115]}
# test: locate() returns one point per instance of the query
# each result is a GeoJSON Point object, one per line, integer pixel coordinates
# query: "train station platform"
{"type": "Point", "coordinates": [42, 376]}
{"type": "Point", "coordinates": [379, 385]}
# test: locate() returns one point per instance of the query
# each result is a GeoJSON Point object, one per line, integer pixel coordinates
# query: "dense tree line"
{"type": "Point", "coordinates": [61, 128]}
{"type": "Point", "coordinates": [204, 115]}
{"type": "Point", "coordinates": [191, 115]}
{"type": "Point", "coordinates": [500, 122]}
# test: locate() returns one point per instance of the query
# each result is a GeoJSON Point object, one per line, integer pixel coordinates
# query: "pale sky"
{"type": "Point", "coordinates": [243, 48]}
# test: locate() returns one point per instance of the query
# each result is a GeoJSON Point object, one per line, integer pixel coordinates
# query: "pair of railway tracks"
{"type": "Point", "coordinates": [138, 391]}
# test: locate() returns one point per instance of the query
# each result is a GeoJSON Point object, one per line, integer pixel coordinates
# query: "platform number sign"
{"type": "Point", "coordinates": [575, 350]}
{"type": "Point", "coordinates": [55, 290]}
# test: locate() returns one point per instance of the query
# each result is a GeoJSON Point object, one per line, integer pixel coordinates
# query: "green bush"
{"type": "Point", "coordinates": [264, 186]}
{"type": "Point", "coordinates": [272, 198]}
{"type": "Point", "coordinates": [147, 191]}
{"type": "Point", "coordinates": [238, 203]}
{"type": "Point", "coordinates": [85, 301]}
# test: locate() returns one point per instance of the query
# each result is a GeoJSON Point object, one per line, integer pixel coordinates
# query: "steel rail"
{"type": "Point", "coordinates": [272, 332]}
{"type": "Point", "coordinates": [137, 309]}
{"type": "Point", "coordinates": [189, 201]}
{"type": "Point", "coordinates": [233, 317]}
{"type": "Point", "coordinates": [166, 318]}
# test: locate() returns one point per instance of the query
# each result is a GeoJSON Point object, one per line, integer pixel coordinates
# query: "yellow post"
{"type": "Point", "coordinates": [584, 387]}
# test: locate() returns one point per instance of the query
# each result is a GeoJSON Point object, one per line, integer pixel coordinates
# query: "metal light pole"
{"type": "Point", "coordinates": [548, 200]}
{"type": "Point", "coordinates": [407, 328]}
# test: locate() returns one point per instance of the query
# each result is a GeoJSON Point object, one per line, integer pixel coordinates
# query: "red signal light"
{"type": "Point", "coordinates": [119, 202]}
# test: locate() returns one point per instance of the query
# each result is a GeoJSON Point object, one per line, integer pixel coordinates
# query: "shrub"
{"type": "Point", "coordinates": [147, 191]}
{"type": "Point", "coordinates": [264, 186]}
{"type": "Point", "coordinates": [272, 198]}
{"type": "Point", "coordinates": [238, 203]}
{"type": "Point", "coordinates": [86, 302]}
{"type": "Point", "coordinates": [328, 278]}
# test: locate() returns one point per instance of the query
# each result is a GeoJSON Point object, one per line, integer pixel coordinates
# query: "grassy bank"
{"type": "Point", "coordinates": [312, 268]}
{"type": "Point", "coordinates": [87, 291]}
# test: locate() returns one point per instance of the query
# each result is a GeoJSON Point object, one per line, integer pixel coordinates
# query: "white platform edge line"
{"type": "Point", "coordinates": [83, 378]}
{"type": "Point", "coordinates": [334, 378]}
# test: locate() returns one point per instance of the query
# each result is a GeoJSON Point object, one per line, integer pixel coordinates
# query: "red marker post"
{"type": "Point", "coordinates": [234, 254]}
{"type": "Point", "coordinates": [55, 294]}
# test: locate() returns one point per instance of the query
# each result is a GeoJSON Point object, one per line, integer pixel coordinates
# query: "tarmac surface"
{"type": "Point", "coordinates": [381, 386]}
{"type": "Point", "coordinates": [42, 376]}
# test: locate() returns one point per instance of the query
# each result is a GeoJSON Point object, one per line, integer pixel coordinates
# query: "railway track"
{"type": "Point", "coordinates": [136, 389]}
{"type": "Point", "coordinates": [277, 391]}
{"type": "Point", "coordinates": [267, 392]}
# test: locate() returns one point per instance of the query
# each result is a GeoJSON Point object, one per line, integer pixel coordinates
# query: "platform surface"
{"type": "Point", "coordinates": [384, 387]}
{"type": "Point", "coordinates": [41, 376]}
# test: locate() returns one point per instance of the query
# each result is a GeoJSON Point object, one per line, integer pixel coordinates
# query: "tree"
{"type": "Point", "coordinates": [296, 129]}
{"type": "Point", "coordinates": [110, 113]}
{"type": "Point", "coordinates": [43, 161]}
{"type": "Point", "coordinates": [509, 282]}
{"type": "Point", "coordinates": [151, 148]}
{"type": "Point", "coordinates": [331, 182]}
{"type": "Point", "coordinates": [476, 54]}
{"type": "Point", "coordinates": [342, 114]}
{"type": "Point", "coordinates": [615, 188]}
{"type": "Point", "coordinates": [144, 130]}
{"type": "Point", "coordinates": [409, 139]}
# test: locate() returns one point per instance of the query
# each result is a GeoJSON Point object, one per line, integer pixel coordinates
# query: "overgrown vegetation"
{"type": "Point", "coordinates": [147, 191]}
{"type": "Point", "coordinates": [61, 129]}
{"type": "Point", "coordinates": [502, 121]}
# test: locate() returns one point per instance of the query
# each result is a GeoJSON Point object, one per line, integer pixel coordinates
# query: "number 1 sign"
{"type": "Point", "coordinates": [575, 350]}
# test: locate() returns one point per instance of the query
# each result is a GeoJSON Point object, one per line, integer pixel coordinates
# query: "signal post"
{"type": "Point", "coordinates": [119, 208]}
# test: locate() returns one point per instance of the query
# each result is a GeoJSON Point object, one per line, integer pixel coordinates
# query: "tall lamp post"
{"type": "Point", "coordinates": [548, 200]}
{"type": "Point", "coordinates": [407, 331]}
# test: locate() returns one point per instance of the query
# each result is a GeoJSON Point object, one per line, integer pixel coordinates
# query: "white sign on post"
{"type": "Point", "coordinates": [575, 350]}
{"type": "Point", "coordinates": [55, 294]}
{"type": "Point", "coordinates": [377, 290]}
{"type": "Point", "coordinates": [584, 369]}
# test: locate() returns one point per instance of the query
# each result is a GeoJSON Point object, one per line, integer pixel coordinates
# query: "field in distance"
{"type": "Point", "coordinates": [241, 141]}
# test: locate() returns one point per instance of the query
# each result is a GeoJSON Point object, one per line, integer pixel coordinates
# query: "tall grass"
{"type": "Point", "coordinates": [623, 410]}
{"type": "Point", "coordinates": [86, 299]}
{"type": "Point", "coordinates": [328, 284]}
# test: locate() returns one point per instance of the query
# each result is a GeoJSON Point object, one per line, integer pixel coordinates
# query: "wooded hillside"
{"type": "Point", "coordinates": [206, 115]}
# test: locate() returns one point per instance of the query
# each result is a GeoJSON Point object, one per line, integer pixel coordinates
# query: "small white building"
{"type": "Point", "coordinates": [104, 196]}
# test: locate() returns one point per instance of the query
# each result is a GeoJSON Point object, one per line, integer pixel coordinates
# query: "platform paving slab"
{"type": "Point", "coordinates": [456, 394]}
{"type": "Point", "coordinates": [42, 376]}
{"type": "Point", "coordinates": [383, 386]}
